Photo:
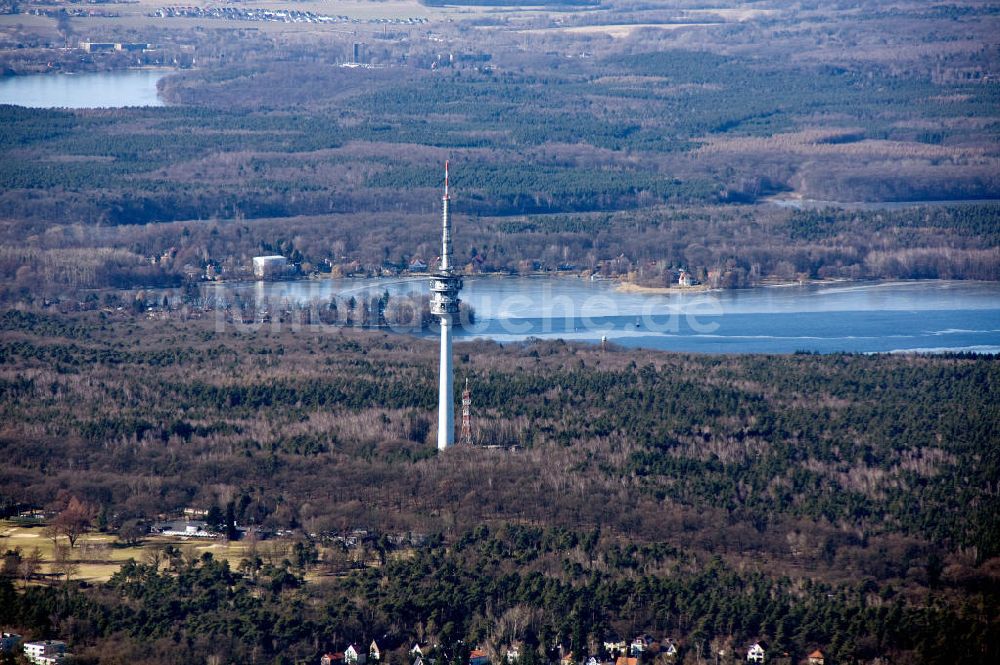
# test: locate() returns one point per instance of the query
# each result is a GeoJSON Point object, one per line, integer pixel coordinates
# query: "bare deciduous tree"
{"type": "Point", "coordinates": [30, 565]}
{"type": "Point", "coordinates": [74, 520]}
{"type": "Point", "coordinates": [63, 564]}
{"type": "Point", "coordinates": [510, 628]}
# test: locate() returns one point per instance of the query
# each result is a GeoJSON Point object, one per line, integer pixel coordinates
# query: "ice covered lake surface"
{"type": "Point", "coordinates": [863, 317]}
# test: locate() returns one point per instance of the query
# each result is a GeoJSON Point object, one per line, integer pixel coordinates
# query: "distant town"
{"type": "Point", "coordinates": [272, 15]}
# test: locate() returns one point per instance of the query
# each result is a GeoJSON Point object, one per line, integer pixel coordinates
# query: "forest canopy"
{"type": "Point", "coordinates": [840, 500]}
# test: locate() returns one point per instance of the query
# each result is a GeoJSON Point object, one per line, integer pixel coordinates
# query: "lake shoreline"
{"type": "Point", "coordinates": [629, 287]}
{"type": "Point", "coordinates": [619, 286]}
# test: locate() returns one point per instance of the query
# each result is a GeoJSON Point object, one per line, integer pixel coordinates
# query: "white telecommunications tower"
{"type": "Point", "coordinates": [445, 285]}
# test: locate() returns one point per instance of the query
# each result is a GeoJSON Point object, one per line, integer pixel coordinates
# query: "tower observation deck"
{"type": "Point", "coordinates": [445, 285]}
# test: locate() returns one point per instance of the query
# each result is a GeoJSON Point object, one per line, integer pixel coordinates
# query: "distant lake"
{"type": "Point", "coordinates": [134, 87]}
{"type": "Point", "coordinates": [860, 317]}
{"type": "Point", "coordinates": [816, 204]}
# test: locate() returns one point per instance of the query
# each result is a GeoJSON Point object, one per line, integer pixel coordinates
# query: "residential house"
{"type": "Point", "coordinates": [627, 660]}
{"type": "Point", "coordinates": [670, 651]}
{"type": "Point", "coordinates": [478, 657]}
{"type": "Point", "coordinates": [332, 659]}
{"type": "Point", "coordinates": [756, 653]}
{"type": "Point", "coordinates": [46, 652]}
{"type": "Point", "coordinates": [684, 279]}
{"type": "Point", "coordinates": [816, 658]}
{"type": "Point", "coordinates": [374, 653]}
{"type": "Point", "coordinates": [567, 658]}
{"type": "Point", "coordinates": [187, 528]}
{"type": "Point", "coordinates": [9, 642]}
{"type": "Point", "coordinates": [354, 656]}
{"type": "Point", "coordinates": [592, 660]}
{"type": "Point", "coordinates": [417, 265]}
{"type": "Point", "coordinates": [614, 647]}
{"type": "Point", "coordinates": [640, 645]}
{"type": "Point", "coordinates": [419, 649]}
{"type": "Point", "coordinates": [514, 652]}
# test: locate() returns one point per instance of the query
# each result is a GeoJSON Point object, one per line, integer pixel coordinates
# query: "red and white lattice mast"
{"type": "Point", "coordinates": [467, 414]}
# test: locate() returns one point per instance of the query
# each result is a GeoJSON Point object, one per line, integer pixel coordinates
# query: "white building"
{"type": "Point", "coordinates": [269, 267]}
{"type": "Point", "coordinates": [640, 644]}
{"type": "Point", "coordinates": [47, 652]}
{"type": "Point", "coordinates": [354, 655]}
{"type": "Point", "coordinates": [192, 529]}
{"type": "Point", "coordinates": [755, 654]}
{"type": "Point", "coordinates": [97, 47]}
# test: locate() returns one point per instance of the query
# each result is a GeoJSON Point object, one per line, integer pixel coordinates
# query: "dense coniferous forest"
{"type": "Point", "coordinates": [843, 501]}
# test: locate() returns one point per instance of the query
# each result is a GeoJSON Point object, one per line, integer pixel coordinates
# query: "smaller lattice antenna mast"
{"type": "Point", "coordinates": [467, 414]}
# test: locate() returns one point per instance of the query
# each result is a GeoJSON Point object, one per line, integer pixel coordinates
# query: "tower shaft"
{"type": "Point", "coordinates": [445, 285]}
{"type": "Point", "coordinates": [446, 397]}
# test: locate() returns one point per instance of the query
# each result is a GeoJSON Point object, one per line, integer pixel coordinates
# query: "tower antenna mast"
{"type": "Point", "coordinates": [467, 414]}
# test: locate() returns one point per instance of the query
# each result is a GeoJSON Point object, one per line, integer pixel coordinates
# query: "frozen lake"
{"type": "Point", "coordinates": [927, 316]}
{"type": "Point", "coordinates": [134, 87]}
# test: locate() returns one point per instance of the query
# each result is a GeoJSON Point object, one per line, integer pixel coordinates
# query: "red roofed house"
{"type": "Point", "coordinates": [816, 657]}
{"type": "Point", "coordinates": [478, 657]}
